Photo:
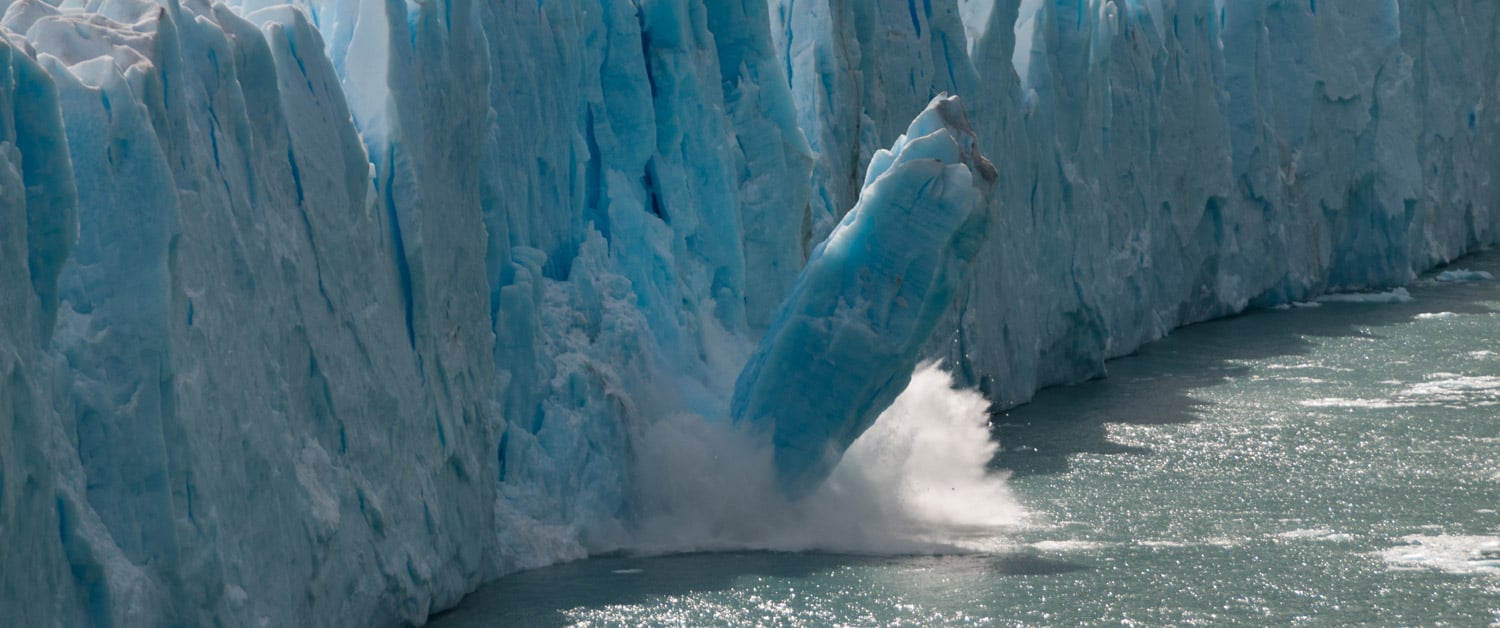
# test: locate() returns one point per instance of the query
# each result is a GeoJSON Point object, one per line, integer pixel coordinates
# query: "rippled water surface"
{"type": "Point", "coordinates": [1331, 463]}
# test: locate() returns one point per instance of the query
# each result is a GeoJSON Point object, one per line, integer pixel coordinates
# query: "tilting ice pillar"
{"type": "Point", "coordinates": [844, 342]}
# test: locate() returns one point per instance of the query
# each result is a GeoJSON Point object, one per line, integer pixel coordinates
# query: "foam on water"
{"type": "Point", "coordinates": [1070, 545]}
{"type": "Point", "coordinates": [1458, 389]}
{"type": "Point", "coordinates": [915, 482]}
{"type": "Point", "coordinates": [1338, 402]}
{"type": "Point", "coordinates": [1315, 534]}
{"type": "Point", "coordinates": [1441, 389]}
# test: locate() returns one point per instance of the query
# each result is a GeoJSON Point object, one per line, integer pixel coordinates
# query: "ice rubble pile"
{"type": "Point", "coordinates": [325, 312]}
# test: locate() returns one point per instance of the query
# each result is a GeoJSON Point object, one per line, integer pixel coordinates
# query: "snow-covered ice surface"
{"type": "Point", "coordinates": [325, 312]}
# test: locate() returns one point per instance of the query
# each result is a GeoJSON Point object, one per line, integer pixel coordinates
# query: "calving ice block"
{"type": "Point", "coordinates": [845, 340]}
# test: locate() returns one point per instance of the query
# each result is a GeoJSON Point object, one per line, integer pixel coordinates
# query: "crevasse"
{"type": "Point", "coordinates": [327, 312]}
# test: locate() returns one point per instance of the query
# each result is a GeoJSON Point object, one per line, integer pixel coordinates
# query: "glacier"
{"type": "Point", "coordinates": [327, 311]}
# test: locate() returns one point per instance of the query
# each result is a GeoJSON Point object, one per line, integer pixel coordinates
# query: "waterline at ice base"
{"type": "Point", "coordinates": [328, 312]}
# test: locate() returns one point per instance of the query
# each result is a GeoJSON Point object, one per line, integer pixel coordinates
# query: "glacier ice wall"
{"type": "Point", "coordinates": [326, 311]}
{"type": "Point", "coordinates": [365, 297]}
{"type": "Point", "coordinates": [238, 424]}
{"type": "Point", "coordinates": [1167, 162]}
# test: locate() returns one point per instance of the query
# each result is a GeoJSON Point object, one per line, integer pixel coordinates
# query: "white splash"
{"type": "Point", "coordinates": [915, 482]}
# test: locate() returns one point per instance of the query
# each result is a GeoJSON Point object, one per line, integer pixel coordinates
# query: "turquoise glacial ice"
{"type": "Point", "coordinates": [845, 341]}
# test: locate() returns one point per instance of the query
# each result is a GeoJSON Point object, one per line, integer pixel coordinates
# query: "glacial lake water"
{"type": "Point", "coordinates": [1328, 465]}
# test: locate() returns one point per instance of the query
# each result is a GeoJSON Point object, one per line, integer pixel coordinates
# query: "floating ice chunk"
{"type": "Point", "coordinates": [844, 342]}
{"type": "Point", "coordinates": [1398, 295]}
{"type": "Point", "coordinates": [1460, 274]}
{"type": "Point", "coordinates": [1301, 305]}
{"type": "Point", "coordinates": [1450, 553]}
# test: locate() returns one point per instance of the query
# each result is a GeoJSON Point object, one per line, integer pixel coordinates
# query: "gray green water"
{"type": "Point", "coordinates": [1327, 465]}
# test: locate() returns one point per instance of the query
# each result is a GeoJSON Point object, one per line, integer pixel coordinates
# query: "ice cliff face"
{"type": "Point", "coordinates": [361, 307]}
{"type": "Point", "coordinates": [232, 369]}
{"type": "Point", "coordinates": [1163, 162]}
{"type": "Point", "coordinates": [326, 312]}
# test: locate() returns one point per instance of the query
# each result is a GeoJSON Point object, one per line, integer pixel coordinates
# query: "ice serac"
{"type": "Point", "coordinates": [845, 341]}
